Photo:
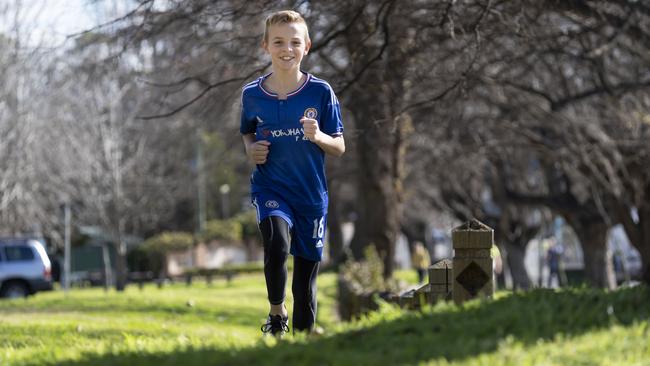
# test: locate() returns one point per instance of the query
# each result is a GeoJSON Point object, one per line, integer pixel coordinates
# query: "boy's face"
{"type": "Point", "coordinates": [287, 44]}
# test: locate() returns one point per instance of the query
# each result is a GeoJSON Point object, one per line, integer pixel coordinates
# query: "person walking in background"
{"type": "Point", "coordinates": [289, 120]}
{"type": "Point", "coordinates": [553, 259]}
{"type": "Point", "coordinates": [421, 260]}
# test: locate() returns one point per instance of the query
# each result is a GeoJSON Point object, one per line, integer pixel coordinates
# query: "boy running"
{"type": "Point", "coordinates": [289, 121]}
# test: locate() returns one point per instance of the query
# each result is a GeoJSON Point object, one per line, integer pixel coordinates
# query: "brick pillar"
{"type": "Point", "coordinates": [472, 265]}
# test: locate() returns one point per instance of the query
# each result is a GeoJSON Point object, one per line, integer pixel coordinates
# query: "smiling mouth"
{"type": "Point", "coordinates": [286, 58]}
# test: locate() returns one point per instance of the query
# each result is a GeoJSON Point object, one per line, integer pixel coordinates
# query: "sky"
{"type": "Point", "coordinates": [47, 23]}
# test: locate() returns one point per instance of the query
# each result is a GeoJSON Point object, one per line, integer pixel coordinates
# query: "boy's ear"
{"type": "Point", "coordinates": [307, 47]}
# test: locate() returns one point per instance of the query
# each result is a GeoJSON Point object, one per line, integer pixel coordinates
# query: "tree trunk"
{"type": "Point", "coordinates": [638, 231]}
{"type": "Point", "coordinates": [380, 179]}
{"type": "Point", "coordinates": [377, 101]}
{"type": "Point", "coordinates": [592, 233]}
{"type": "Point", "coordinates": [515, 258]}
{"type": "Point", "coordinates": [645, 269]}
{"type": "Point", "coordinates": [644, 245]}
{"type": "Point", "coordinates": [379, 205]}
{"type": "Point", "coordinates": [120, 267]}
{"type": "Point", "coordinates": [378, 184]}
{"type": "Point", "coordinates": [599, 270]}
{"type": "Point", "coordinates": [108, 268]}
{"type": "Point", "coordinates": [514, 232]}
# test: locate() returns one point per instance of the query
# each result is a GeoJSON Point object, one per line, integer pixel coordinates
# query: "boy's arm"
{"type": "Point", "coordinates": [333, 145]}
{"type": "Point", "coordinates": [257, 151]}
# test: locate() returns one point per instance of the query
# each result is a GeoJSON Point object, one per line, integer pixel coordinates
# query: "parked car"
{"type": "Point", "coordinates": [24, 267]}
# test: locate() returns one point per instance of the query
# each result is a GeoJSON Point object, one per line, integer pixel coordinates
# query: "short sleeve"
{"type": "Point", "coordinates": [331, 122]}
{"type": "Point", "coordinates": [247, 124]}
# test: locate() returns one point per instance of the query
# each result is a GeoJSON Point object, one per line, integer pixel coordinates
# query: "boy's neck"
{"type": "Point", "coordinates": [283, 83]}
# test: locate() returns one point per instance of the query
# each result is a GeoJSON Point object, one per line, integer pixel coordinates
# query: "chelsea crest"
{"type": "Point", "coordinates": [311, 113]}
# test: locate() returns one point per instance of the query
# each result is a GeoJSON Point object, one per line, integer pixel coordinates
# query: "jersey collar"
{"type": "Point", "coordinates": [275, 95]}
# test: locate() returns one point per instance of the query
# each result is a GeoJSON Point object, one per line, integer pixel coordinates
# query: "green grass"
{"type": "Point", "coordinates": [219, 325]}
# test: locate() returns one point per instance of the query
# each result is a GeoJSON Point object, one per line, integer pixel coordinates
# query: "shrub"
{"type": "Point", "coordinates": [248, 222]}
{"type": "Point", "coordinates": [242, 268]}
{"type": "Point", "coordinates": [367, 274]}
{"type": "Point", "coordinates": [228, 230]}
{"type": "Point", "coordinates": [168, 241]}
{"type": "Point", "coordinates": [150, 256]}
{"type": "Point", "coordinates": [360, 283]}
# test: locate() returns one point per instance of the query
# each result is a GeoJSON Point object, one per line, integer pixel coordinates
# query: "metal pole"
{"type": "Point", "coordinates": [225, 204]}
{"type": "Point", "coordinates": [200, 181]}
{"type": "Point", "coordinates": [66, 250]}
{"type": "Point", "coordinates": [540, 261]}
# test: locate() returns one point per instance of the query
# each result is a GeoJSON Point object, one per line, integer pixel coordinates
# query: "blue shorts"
{"type": "Point", "coordinates": [307, 232]}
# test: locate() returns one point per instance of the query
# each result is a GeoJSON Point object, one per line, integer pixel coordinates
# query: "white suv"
{"type": "Point", "coordinates": [24, 267]}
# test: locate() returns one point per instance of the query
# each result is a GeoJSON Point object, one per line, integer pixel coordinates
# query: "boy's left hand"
{"type": "Point", "coordinates": [310, 128]}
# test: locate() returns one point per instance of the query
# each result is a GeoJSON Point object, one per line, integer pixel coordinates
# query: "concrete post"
{"type": "Point", "coordinates": [440, 275]}
{"type": "Point", "coordinates": [472, 264]}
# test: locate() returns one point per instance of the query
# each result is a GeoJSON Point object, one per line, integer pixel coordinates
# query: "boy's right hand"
{"type": "Point", "coordinates": [258, 151]}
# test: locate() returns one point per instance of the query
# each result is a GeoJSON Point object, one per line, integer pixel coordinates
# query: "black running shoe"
{"type": "Point", "coordinates": [276, 325]}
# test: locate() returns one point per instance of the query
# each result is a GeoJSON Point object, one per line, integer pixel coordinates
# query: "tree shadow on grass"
{"type": "Point", "coordinates": [451, 333]}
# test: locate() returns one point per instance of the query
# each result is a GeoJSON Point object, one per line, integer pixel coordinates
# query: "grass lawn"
{"type": "Point", "coordinates": [219, 325]}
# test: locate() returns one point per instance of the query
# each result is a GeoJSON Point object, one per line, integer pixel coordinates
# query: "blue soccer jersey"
{"type": "Point", "coordinates": [295, 166]}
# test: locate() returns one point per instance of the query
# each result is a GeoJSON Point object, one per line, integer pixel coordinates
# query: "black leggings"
{"type": "Point", "coordinates": [276, 239]}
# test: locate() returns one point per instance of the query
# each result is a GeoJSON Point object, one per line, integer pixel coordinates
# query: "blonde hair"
{"type": "Point", "coordinates": [284, 17]}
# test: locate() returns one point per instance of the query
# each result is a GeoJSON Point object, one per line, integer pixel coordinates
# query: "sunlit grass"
{"type": "Point", "coordinates": [219, 324]}
{"type": "Point", "coordinates": [53, 326]}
